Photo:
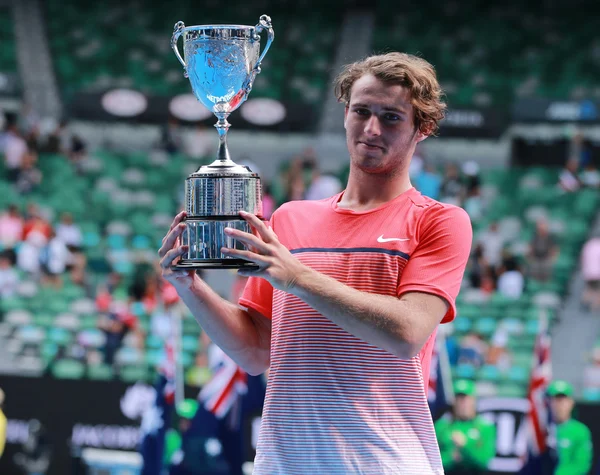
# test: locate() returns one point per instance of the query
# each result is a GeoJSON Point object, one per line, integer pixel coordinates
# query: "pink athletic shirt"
{"type": "Point", "coordinates": [336, 404]}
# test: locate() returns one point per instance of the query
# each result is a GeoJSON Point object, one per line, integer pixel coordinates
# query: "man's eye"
{"type": "Point", "coordinates": [392, 117]}
{"type": "Point", "coordinates": [361, 111]}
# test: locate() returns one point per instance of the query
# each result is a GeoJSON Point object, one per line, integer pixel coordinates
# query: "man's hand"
{"type": "Point", "coordinates": [170, 252]}
{"type": "Point", "coordinates": [459, 439]}
{"type": "Point", "coordinates": [275, 262]}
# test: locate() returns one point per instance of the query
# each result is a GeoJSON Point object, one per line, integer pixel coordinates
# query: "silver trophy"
{"type": "Point", "coordinates": [221, 62]}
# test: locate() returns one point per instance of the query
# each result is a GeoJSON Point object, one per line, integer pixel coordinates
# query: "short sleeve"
{"type": "Point", "coordinates": [258, 293]}
{"type": "Point", "coordinates": [437, 264]}
{"type": "Point", "coordinates": [258, 296]}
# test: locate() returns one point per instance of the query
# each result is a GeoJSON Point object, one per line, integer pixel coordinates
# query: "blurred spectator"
{"type": "Point", "coordinates": [322, 186]}
{"type": "Point", "coordinates": [590, 270]}
{"type": "Point", "coordinates": [9, 278]}
{"type": "Point", "coordinates": [2, 424]}
{"type": "Point", "coordinates": [542, 252]}
{"type": "Point", "coordinates": [470, 170]}
{"type": "Point", "coordinates": [35, 223]}
{"type": "Point", "coordinates": [170, 140]}
{"type": "Point", "coordinates": [478, 266]}
{"type": "Point", "coordinates": [15, 148]}
{"type": "Point", "coordinates": [54, 258]}
{"type": "Point", "coordinates": [511, 282]}
{"type": "Point", "coordinates": [11, 227]}
{"type": "Point", "coordinates": [473, 203]}
{"type": "Point", "coordinates": [492, 242]}
{"type": "Point", "coordinates": [29, 176]}
{"type": "Point", "coordinates": [77, 153]}
{"type": "Point", "coordinates": [294, 187]}
{"type": "Point", "coordinates": [116, 324]}
{"type": "Point", "coordinates": [28, 256]}
{"type": "Point", "coordinates": [58, 140]}
{"type": "Point", "coordinates": [473, 350]}
{"type": "Point", "coordinates": [69, 232]}
{"type": "Point", "coordinates": [36, 451]}
{"type": "Point", "coordinates": [568, 180]}
{"type": "Point", "coordinates": [498, 354]}
{"type": "Point", "coordinates": [198, 143]}
{"type": "Point", "coordinates": [453, 189]}
{"type": "Point", "coordinates": [590, 176]}
{"type": "Point", "coordinates": [429, 182]}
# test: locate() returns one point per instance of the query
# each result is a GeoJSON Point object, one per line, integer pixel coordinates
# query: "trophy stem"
{"type": "Point", "coordinates": [222, 127]}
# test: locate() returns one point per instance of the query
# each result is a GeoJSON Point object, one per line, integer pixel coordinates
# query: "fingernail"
{"type": "Point", "coordinates": [181, 225]}
{"type": "Point", "coordinates": [224, 250]}
{"type": "Point", "coordinates": [227, 230]}
{"type": "Point", "coordinates": [242, 212]}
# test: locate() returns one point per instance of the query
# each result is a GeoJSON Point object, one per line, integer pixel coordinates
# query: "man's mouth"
{"type": "Point", "coordinates": [371, 145]}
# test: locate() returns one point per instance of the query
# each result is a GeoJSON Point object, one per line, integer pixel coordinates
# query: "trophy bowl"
{"type": "Point", "coordinates": [221, 62]}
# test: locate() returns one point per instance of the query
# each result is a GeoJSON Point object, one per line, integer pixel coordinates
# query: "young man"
{"type": "Point", "coordinates": [348, 294]}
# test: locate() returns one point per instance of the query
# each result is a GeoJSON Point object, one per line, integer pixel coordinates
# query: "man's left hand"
{"type": "Point", "coordinates": [275, 262]}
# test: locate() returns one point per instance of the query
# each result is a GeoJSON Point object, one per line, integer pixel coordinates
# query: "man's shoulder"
{"type": "Point", "coordinates": [576, 427]}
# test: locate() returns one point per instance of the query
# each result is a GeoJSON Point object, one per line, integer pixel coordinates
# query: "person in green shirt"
{"type": "Point", "coordinates": [570, 439]}
{"type": "Point", "coordinates": [467, 441]}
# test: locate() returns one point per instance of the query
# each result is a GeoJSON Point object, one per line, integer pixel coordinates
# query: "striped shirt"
{"type": "Point", "coordinates": [336, 404]}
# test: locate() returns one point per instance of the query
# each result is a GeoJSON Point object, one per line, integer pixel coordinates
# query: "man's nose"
{"type": "Point", "coordinates": [373, 127]}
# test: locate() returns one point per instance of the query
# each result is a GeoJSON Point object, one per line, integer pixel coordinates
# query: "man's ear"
{"type": "Point", "coordinates": [424, 131]}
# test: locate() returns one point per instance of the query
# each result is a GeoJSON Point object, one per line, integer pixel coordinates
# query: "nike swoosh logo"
{"type": "Point", "coordinates": [382, 239]}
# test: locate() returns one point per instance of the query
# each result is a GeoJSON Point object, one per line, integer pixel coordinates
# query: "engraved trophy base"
{"type": "Point", "coordinates": [205, 237]}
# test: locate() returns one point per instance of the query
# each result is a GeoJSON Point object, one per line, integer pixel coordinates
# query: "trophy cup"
{"type": "Point", "coordinates": [221, 62]}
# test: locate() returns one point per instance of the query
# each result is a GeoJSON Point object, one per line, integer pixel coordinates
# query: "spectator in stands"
{"type": "Point", "coordinates": [453, 189]}
{"type": "Point", "coordinates": [568, 180]}
{"type": "Point", "coordinates": [69, 232]}
{"type": "Point", "coordinates": [470, 170]}
{"type": "Point", "coordinates": [543, 252]}
{"type": "Point", "coordinates": [58, 140]}
{"type": "Point", "coordinates": [28, 255]}
{"type": "Point", "coordinates": [116, 324]}
{"type": "Point", "coordinates": [429, 182]}
{"type": "Point", "coordinates": [322, 185]}
{"type": "Point", "coordinates": [479, 269]}
{"type": "Point", "coordinates": [54, 259]}
{"type": "Point", "coordinates": [492, 242]}
{"type": "Point", "coordinates": [29, 176]}
{"type": "Point", "coordinates": [11, 227]}
{"type": "Point", "coordinates": [9, 278]}
{"type": "Point", "coordinates": [78, 153]}
{"type": "Point", "coordinates": [15, 148]}
{"type": "Point", "coordinates": [35, 223]}
{"type": "Point", "coordinates": [511, 282]}
{"type": "Point", "coordinates": [473, 350]}
{"type": "Point", "coordinates": [170, 140]}
{"type": "Point", "coordinates": [474, 203]}
{"type": "Point", "coordinates": [590, 176]}
{"type": "Point", "coordinates": [498, 354]}
{"type": "Point", "coordinates": [590, 270]}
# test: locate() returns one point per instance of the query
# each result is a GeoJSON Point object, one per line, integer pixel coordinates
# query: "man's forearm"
{"type": "Point", "coordinates": [229, 327]}
{"type": "Point", "coordinates": [387, 322]}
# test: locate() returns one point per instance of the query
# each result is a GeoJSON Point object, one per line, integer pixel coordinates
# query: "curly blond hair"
{"type": "Point", "coordinates": [407, 70]}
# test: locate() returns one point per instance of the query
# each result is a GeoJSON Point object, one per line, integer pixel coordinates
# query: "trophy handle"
{"type": "Point", "coordinates": [263, 24]}
{"type": "Point", "coordinates": [177, 30]}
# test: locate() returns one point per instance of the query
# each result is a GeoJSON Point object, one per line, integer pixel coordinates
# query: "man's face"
{"type": "Point", "coordinates": [561, 407]}
{"type": "Point", "coordinates": [380, 130]}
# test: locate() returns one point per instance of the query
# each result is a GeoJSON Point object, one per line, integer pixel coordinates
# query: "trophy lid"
{"type": "Point", "coordinates": [224, 168]}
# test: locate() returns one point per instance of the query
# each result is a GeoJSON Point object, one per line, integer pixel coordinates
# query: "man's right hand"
{"type": "Point", "coordinates": [170, 252]}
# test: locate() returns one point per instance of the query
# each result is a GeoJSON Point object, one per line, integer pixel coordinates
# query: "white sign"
{"type": "Point", "coordinates": [124, 102]}
{"type": "Point", "coordinates": [263, 111]}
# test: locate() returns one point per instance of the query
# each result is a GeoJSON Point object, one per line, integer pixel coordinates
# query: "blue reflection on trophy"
{"type": "Point", "coordinates": [221, 62]}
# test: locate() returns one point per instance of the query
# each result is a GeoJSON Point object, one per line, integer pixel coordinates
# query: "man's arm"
{"type": "Point", "coordinates": [245, 336]}
{"type": "Point", "coordinates": [399, 325]}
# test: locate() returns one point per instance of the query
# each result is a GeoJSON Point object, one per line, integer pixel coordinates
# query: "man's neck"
{"type": "Point", "coordinates": [368, 191]}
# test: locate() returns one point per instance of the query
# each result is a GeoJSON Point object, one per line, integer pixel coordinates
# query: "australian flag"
{"type": "Point", "coordinates": [439, 394]}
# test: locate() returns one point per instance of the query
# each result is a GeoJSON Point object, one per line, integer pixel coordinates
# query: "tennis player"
{"type": "Point", "coordinates": [349, 292]}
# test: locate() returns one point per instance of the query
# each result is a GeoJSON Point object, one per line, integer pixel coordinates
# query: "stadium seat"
{"type": "Point", "coordinates": [68, 369]}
